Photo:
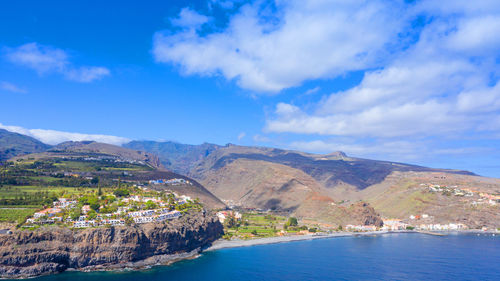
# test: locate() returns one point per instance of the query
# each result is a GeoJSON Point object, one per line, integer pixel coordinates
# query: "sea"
{"type": "Point", "coordinates": [403, 256]}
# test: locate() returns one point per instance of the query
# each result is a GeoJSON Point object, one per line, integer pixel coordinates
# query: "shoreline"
{"type": "Point", "coordinates": [169, 259]}
{"type": "Point", "coordinates": [237, 243]}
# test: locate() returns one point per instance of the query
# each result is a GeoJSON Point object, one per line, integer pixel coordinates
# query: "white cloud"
{"type": "Point", "coordinates": [305, 40]}
{"type": "Point", "coordinates": [38, 57]}
{"type": "Point", "coordinates": [190, 19]}
{"type": "Point", "coordinates": [55, 137]}
{"type": "Point", "coordinates": [312, 90]}
{"type": "Point", "coordinates": [241, 135]}
{"type": "Point", "coordinates": [87, 74]}
{"type": "Point", "coordinates": [4, 85]}
{"type": "Point", "coordinates": [445, 84]}
{"type": "Point", "coordinates": [46, 59]}
{"type": "Point", "coordinates": [259, 138]}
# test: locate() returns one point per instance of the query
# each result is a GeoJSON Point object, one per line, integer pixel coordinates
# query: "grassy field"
{"type": "Point", "coordinates": [257, 225]}
{"type": "Point", "coordinates": [89, 166]}
{"type": "Point", "coordinates": [14, 214]}
{"type": "Point", "coordinates": [9, 192]}
{"type": "Point", "coordinates": [45, 179]}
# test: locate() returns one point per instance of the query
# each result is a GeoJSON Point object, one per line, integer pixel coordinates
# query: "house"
{"type": "Point", "coordinates": [143, 219]}
{"type": "Point", "coordinates": [145, 213]}
{"type": "Point", "coordinates": [223, 215]}
{"type": "Point", "coordinates": [64, 203]}
{"type": "Point", "coordinates": [351, 227]}
{"type": "Point", "coordinates": [86, 209]}
{"type": "Point", "coordinates": [84, 224]}
{"type": "Point", "coordinates": [394, 225]}
{"type": "Point", "coordinates": [113, 222]}
{"type": "Point", "coordinates": [50, 212]}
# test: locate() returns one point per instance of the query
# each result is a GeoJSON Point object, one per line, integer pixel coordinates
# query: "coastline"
{"type": "Point", "coordinates": [223, 244]}
{"type": "Point", "coordinates": [237, 243]}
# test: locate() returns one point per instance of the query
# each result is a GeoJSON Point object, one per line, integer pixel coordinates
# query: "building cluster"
{"type": "Point", "coordinates": [398, 225]}
{"type": "Point", "coordinates": [223, 215]}
{"type": "Point", "coordinates": [394, 225]}
{"type": "Point", "coordinates": [154, 215]}
{"type": "Point", "coordinates": [110, 159]}
{"type": "Point", "coordinates": [171, 181]}
{"type": "Point", "coordinates": [482, 197]}
{"type": "Point", "coordinates": [418, 217]}
{"type": "Point", "coordinates": [63, 206]}
{"type": "Point", "coordinates": [454, 190]}
{"type": "Point", "coordinates": [438, 227]}
{"type": "Point", "coordinates": [351, 227]}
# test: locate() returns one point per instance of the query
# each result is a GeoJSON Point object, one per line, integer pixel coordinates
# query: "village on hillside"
{"type": "Point", "coordinates": [117, 208]}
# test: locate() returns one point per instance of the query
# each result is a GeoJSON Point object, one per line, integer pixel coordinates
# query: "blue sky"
{"type": "Point", "coordinates": [408, 81]}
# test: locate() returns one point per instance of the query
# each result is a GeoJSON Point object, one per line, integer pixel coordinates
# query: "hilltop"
{"type": "Point", "coordinates": [14, 144]}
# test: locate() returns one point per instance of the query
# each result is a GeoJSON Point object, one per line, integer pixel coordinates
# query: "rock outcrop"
{"type": "Point", "coordinates": [54, 249]}
{"type": "Point", "coordinates": [364, 214]}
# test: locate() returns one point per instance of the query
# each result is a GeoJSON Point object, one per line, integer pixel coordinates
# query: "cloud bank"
{"type": "Point", "coordinates": [431, 70]}
{"type": "Point", "coordinates": [53, 137]}
{"type": "Point", "coordinates": [447, 83]}
{"type": "Point", "coordinates": [268, 52]}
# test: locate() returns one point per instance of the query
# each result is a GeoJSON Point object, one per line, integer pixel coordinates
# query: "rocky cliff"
{"type": "Point", "coordinates": [52, 250]}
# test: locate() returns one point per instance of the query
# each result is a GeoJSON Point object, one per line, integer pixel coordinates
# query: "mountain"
{"type": "Point", "coordinates": [14, 144]}
{"type": "Point", "coordinates": [175, 156]}
{"type": "Point", "coordinates": [327, 187]}
{"type": "Point", "coordinates": [113, 163]}
{"type": "Point", "coordinates": [108, 149]}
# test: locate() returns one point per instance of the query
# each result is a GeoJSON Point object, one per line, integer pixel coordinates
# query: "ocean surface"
{"type": "Point", "coordinates": [382, 257]}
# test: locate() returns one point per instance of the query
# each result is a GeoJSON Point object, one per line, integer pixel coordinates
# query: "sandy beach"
{"type": "Point", "coordinates": [223, 244]}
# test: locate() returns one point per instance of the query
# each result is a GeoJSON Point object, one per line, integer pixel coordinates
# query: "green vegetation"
{"type": "Point", "coordinates": [29, 185]}
{"type": "Point", "coordinates": [291, 222]}
{"type": "Point", "coordinates": [121, 192]}
{"type": "Point", "coordinates": [15, 214]}
{"type": "Point", "coordinates": [254, 225]}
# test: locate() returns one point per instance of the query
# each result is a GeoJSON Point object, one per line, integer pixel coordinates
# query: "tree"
{"type": "Point", "coordinates": [129, 221]}
{"type": "Point", "coordinates": [292, 221]}
{"type": "Point", "coordinates": [150, 205]}
{"type": "Point", "coordinates": [92, 214]}
{"type": "Point", "coordinates": [94, 180]}
{"type": "Point", "coordinates": [121, 192]}
{"type": "Point", "coordinates": [94, 203]}
{"type": "Point", "coordinates": [254, 232]}
{"type": "Point", "coordinates": [75, 214]}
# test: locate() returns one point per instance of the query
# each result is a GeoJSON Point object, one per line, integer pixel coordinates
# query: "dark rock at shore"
{"type": "Point", "coordinates": [55, 249]}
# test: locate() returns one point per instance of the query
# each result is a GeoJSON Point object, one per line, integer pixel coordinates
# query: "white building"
{"type": "Point", "coordinates": [84, 224]}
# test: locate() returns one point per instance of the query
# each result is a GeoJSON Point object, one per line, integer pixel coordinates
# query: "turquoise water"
{"type": "Point", "coordinates": [384, 257]}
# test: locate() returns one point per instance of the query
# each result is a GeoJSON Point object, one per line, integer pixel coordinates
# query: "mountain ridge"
{"type": "Point", "coordinates": [15, 144]}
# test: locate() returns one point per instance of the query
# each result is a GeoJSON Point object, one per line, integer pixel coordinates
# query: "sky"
{"type": "Point", "coordinates": [406, 81]}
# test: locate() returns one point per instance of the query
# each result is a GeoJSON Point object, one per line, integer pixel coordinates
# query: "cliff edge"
{"type": "Point", "coordinates": [54, 249]}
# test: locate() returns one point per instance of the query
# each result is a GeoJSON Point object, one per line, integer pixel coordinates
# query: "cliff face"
{"type": "Point", "coordinates": [52, 250]}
